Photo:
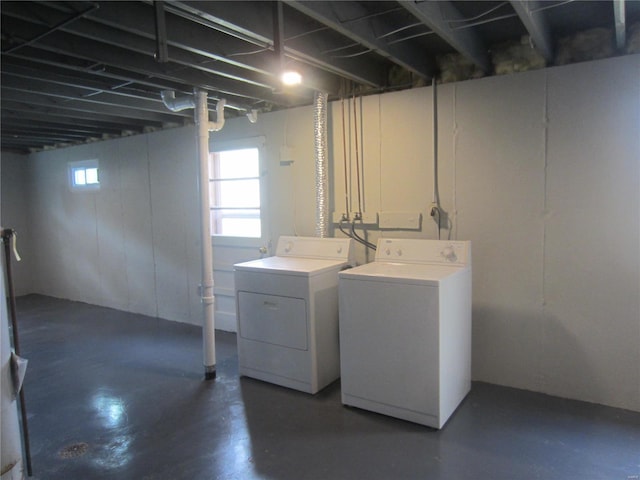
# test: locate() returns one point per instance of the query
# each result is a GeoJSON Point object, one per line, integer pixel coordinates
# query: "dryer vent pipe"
{"type": "Point", "coordinates": [176, 104]}
{"type": "Point", "coordinates": [321, 163]}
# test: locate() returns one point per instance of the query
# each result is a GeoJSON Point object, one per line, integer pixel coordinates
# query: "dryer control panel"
{"type": "Point", "coordinates": [316, 247]}
{"type": "Point", "coordinates": [438, 252]}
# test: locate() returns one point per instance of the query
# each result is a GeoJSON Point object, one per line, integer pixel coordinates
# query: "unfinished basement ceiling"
{"type": "Point", "coordinates": [77, 72]}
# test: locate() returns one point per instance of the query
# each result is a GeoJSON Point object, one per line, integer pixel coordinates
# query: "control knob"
{"type": "Point", "coordinates": [449, 254]}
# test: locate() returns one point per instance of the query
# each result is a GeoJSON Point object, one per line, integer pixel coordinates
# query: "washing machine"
{"type": "Point", "coordinates": [405, 330]}
{"type": "Point", "coordinates": [287, 311]}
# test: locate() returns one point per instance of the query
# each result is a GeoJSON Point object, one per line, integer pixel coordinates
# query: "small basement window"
{"type": "Point", "coordinates": [84, 175]}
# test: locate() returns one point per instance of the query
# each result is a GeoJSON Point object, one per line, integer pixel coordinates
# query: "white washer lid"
{"type": "Point", "coordinates": [291, 265]}
{"type": "Point", "coordinates": [412, 273]}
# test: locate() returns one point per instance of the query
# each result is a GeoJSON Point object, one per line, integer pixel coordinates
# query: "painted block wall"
{"type": "Point", "coordinates": [134, 244]}
{"type": "Point", "coordinates": [556, 188]}
{"type": "Point", "coordinates": [592, 251]}
{"type": "Point", "coordinates": [495, 193]}
{"type": "Point", "coordinates": [14, 202]}
{"type": "Point", "coordinates": [540, 170]}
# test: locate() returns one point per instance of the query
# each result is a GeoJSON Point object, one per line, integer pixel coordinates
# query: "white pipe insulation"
{"type": "Point", "coordinates": [203, 127]}
{"type": "Point", "coordinates": [321, 163]}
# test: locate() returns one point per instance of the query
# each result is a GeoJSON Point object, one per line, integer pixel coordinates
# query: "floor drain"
{"type": "Point", "coordinates": [74, 450]}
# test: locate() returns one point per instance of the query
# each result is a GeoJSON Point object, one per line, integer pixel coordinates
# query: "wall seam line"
{"type": "Point", "coordinates": [124, 230]}
{"type": "Point", "coordinates": [545, 213]}
{"type": "Point", "coordinates": [153, 243]}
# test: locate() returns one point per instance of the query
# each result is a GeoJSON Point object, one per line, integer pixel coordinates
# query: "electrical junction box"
{"type": "Point", "coordinates": [286, 156]}
{"type": "Point", "coordinates": [400, 220]}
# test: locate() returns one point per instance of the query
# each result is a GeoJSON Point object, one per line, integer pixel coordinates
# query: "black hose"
{"type": "Point", "coordinates": [359, 239]}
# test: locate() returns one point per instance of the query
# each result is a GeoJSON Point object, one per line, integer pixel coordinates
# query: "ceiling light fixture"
{"type": "Point", "coordinates": [291, 78]}
{"type": "Point", "coordinates": [288, 76]}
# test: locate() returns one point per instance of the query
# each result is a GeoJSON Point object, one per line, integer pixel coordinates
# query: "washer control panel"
{"type": "Point", "coordinates": [443, 252]}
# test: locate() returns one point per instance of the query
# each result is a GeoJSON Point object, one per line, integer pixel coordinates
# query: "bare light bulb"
{"type": "Point", "coordinates": [291, 78]}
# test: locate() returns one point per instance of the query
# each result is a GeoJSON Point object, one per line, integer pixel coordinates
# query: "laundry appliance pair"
{"type": "Point", "coordinates": [396, 330]}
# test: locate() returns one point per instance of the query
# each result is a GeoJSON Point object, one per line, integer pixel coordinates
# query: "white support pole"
{"type": "Point", "coordinates": [208, 327]}
{"type": "Point", "coordinates": [619, 19]}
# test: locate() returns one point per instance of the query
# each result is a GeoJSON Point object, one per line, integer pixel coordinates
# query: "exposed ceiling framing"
{"type": "Point", "coordinates": [81, 71]}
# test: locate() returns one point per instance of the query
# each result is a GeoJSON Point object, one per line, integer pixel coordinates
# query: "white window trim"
{"type": "Point", "coordinates": [239, 144]}
{"type": "Point", "coordinates": [71, 166]}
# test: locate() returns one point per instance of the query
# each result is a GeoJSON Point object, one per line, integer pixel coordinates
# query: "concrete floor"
{"type": "Point", "coordinates": [116, 395]}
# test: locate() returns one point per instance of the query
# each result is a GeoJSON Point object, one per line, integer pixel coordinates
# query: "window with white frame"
{"type": "Point", "coordinates": [234, 180]}
{"type": "Point", "coordinates": [84, 175]}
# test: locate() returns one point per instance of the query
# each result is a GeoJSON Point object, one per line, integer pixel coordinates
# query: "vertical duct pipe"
{"type": "Point", "coordinates": [208, 327]}
{"type": "Point", "coordinates": [322, 183]}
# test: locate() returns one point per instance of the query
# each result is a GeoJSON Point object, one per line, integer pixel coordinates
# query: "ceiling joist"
{"type": "Point", "coordinates": [437, 16]}
{"type": "Point", "coordinates": [536, 24]}
{"type": "Point", "coordinates": [367, 31]}
{"type": "Point", "coordinates": [81, 70]}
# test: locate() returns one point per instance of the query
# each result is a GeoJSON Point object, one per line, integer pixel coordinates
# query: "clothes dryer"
{"type": "Point", "coordinates": [287, 311]}
{"type": "Point", "coordinates": [405, 330]}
